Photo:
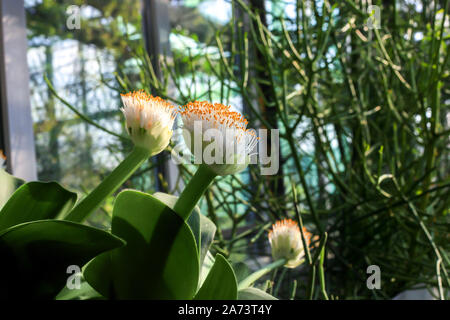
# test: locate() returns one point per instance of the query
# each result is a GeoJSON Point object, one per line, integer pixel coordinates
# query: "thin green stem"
{"type": "Point", "coordinates": [312, 281]}
{"type": "Point", "coordinates": [79, 114]}
{"type": "Point", "coordinates": [321, 270]}
{"type": "Point", "coordinates": [300, 223]}
{"type": "Point", "coordinates": [323, 241]}
{"type": "Point", "coordinates": [304, 185]}
{"type": "Point", "coordinates": [258, 274]}
{"type": "Point", "coordinates": [294, 289]}
{"type": "Point", "coordinates": [119, 175]}
{"type": "Point", "coordinates": [194, 191]}
{"type": "Point", "coordinates": [280, 281]}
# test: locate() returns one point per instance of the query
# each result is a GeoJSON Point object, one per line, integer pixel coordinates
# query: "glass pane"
{"type": "Point", "coordinates": [80, 63]}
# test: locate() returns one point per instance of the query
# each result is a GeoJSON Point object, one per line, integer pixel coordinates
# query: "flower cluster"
{"type": "Point", "coordinates": [223, 129]}
{"type": "Point", "coordinates": [149, 120]}
{"type": "Point", "coordinates": [286, 242]}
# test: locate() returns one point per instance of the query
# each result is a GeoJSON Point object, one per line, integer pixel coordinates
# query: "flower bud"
{"type": "Point", "coordinates": [149, 120]}
{"type": "Point", "coordinates": [2, 160]}
{"type": "Point", "coordinates": [286, 242]}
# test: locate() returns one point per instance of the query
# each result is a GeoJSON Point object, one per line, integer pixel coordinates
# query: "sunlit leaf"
{"type": "Point", "coordinates": [8, 184]}
{"type": "Point", "coordinates": [254, 294]}
{"type": "Point", "coordinates": [203, 228]}
{"type": "Point", "coordinates": [36, 201]}
{"type": "Point", "coordinates": [220, 284]}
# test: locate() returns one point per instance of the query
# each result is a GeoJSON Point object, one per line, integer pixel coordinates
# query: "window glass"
{"type": "Point", "coordinates": [79, 46]}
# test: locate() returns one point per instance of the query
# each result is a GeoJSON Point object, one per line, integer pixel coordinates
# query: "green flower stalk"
{"type": "Point", "coordinates": [193, 191]}
{"type": "Point", "coordinates": [149, 122]}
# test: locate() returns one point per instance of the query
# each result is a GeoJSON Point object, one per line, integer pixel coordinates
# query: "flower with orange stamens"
{"type": "Point", "coordinates": [149, 120]}
{"type": "Point", "coordinates": [286, 242]}
{"type": "Point", "coordinates": [220, 130]}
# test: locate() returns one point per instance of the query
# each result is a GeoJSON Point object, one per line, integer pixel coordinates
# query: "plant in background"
{"type": "Point", "coordinates": [289, 247]}
{"type": "Point", "coordinates": [286, 242]}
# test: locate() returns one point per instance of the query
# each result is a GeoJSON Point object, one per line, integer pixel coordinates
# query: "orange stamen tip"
{"type": "Point", "coordinates": [215, 112]}
{"type": "Point", "coordinates": [288, 224]}
{"type": "Point", "coordinates": [141, 95]}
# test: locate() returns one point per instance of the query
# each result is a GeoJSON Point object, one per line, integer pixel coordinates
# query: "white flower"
{"type": "Point", "coordinates": [286, 242]}
{"type": "Point", "coordinates": [2, 160]}
{"type": "Point", "coordinates": [225, 141]}
{"type": "Point", "coordinates": [149, 120]}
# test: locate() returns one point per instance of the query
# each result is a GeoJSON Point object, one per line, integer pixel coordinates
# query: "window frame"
{"type": "Point", "coordinates": [16, 121]}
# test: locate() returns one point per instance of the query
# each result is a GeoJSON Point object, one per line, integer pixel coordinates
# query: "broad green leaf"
{"type": "Point", "coordinates": [36, 201]}
{"type": "Point", "coordinates": [35, 255]}
{"type": "Point", "coordinates": [202, 228]}
{"type": "Point", "coordinates": [193, 220]}
{"type": "Point", "coordinates": [98, 274]}
{"type": "Point", "coordinates": [8, 184]}
{"type": "Point", "coordinates": [160, 259]}
{"type": "Point", "coordinates": [220, 284]}
{"type": "Point", "coordinates": [207, 232]}
{"type": "Point", "coordinates": [254, 294]}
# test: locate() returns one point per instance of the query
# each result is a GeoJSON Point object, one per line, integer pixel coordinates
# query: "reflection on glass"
{"type": "Point", "coordinates": [80, 63]}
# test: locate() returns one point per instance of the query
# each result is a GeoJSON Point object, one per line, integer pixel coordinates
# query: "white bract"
{"type": "Point", "coordinates": [2, 160]}
{"type": "Point", "coordinates": [286, 242]}
{"type": "Point", "coordinates": [218, 136]}
{"type": "Point", "coordinates": [149, 120]}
